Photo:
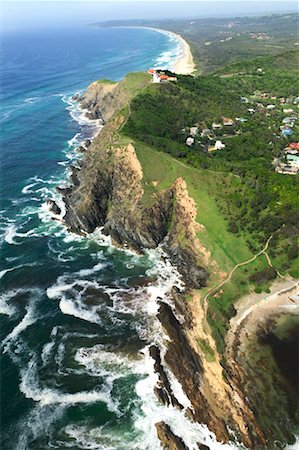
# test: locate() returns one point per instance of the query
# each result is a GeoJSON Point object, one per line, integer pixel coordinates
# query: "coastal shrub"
{"type": "Point", "coordinates": [262, 276]}
{"type": "Point", "coordinates": [206, 349]}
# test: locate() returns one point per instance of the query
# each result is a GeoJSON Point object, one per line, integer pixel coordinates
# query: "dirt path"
{"type": "Point", "coordinates": [262, 252]}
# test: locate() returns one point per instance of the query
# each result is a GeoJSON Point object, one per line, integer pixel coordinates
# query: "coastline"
{"type": "Point", "coordinates": [184, 64]}
{"type": "Point", "coordinates": [215, 401]}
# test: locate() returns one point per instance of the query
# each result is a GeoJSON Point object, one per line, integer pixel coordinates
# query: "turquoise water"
{"type": "Point", "coordinates": [76, 314]}
{"type": "Point", "coordinates": [76, 317]}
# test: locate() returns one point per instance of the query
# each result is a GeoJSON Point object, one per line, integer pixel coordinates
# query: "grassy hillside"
{"type": "Point", "coordinates": [241, 200]}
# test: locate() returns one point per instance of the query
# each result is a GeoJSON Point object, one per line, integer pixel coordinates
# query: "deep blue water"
{"type": "Point", "coordinates": [75, 316]}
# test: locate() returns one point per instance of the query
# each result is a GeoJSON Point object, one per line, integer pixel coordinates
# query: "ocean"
{"type": "Point", "coordinates": [77, 314]}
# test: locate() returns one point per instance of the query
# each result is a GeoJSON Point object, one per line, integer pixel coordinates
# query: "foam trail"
{"type": "Point", "coordinates": [6, 308]}
{"type": "Point", "coordinates": [30, 387]}
{"type": "Point", "coordinates": [5, 271]}
{"type": "Point", "coordinates": [29, 318]}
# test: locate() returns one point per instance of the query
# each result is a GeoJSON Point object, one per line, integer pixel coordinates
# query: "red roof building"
{"type": "Point", "coordinates": [294, 145]}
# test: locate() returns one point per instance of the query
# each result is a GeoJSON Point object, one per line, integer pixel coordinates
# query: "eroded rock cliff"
{"type": "Point", "coordinates": [108, 191]}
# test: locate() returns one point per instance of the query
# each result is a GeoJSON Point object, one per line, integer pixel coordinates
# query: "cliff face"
{"type": "Point", "coordinates": [109, 194]}
{"type": "Point", "coordinates": [102, 99]}
{"type": "Point", "coordinates": [108, 191]}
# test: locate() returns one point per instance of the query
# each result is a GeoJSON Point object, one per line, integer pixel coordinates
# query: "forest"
{"type": "Point", "coordinates": [267, 202]}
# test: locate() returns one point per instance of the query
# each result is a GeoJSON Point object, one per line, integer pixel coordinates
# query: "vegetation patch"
{"type": "Point", "coordinates": [206, 349]}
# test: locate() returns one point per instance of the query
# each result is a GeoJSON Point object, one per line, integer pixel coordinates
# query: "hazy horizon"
{"type": "Point", "coordinates": [23, 15]}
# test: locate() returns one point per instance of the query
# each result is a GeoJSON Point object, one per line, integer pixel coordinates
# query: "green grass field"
{"type": "Point", "coordinates": [160, 170]}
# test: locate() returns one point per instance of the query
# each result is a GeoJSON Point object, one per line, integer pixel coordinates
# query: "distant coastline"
{"type": "Point", "coordinates": [184, 64]}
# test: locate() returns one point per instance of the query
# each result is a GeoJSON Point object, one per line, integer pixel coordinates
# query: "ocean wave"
{"type": "Point", "coordinates": [96, 438]}
{"type": "Point", "coordinates": [31, 388]}
{"type": "Point", "coordinates": [71, 298]}
{"type": "Point", "coordinates": [90, 127]}
{"type": "Point", "coordinates": [153, 412]}
{"type": "Point", "coordinates": [29, 318]}
{"type": "Point", "coordinates": [6, 307]}
{"type": "Point", "coordinates": [168, 58]}
{"type": "Point", "coordinates": [20, 266]}
{"type": "Point", "coordinates": [36, 424]}
{"type": "Point", "coordinates": [102, 363]}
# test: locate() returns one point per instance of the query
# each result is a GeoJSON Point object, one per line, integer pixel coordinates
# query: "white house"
{"type": "Point", "coordinates": [190, 141]}
{"type": "Point", "coordinates": [194, 131]}
{"type": "Point", "coordinates": [219, 145]}
{"type": "Point", "coordinates": [156, 78]}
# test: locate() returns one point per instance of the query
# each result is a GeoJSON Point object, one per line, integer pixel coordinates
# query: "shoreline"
{"type": "Point", "coordinates": [184, 64]}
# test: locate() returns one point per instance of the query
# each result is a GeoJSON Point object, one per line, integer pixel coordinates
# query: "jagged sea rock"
{"type": "Point", "coordinates": [53, 207]}
{"type": "Point", "coordinates": [169, 440]}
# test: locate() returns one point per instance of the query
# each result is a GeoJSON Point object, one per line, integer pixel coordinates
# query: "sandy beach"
{"type": "Point", "coordinates": [184, 65]}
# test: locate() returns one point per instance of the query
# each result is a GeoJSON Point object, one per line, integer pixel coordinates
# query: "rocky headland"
{"type": "Point", "coordinates": [107, 191]}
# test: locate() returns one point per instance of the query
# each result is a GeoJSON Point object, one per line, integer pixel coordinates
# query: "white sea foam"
{"type": "Point", "coordinates": [20, 266]}
{"type": "Point", "coordinates": [29, 318]}
{"type": "Point", "coordinates": [99, 438]}
{"type": "Point", "coordinates": [153, 412]}
{"type": "Point", "coordinates": [100, 362]}
{"type": "Point", "coordinates": [37, 423]}
{"type": "Point", "coordinates": [92, 127]}
{"type": "Point", "coordinates": [97, 268]}
{"type": "Point", "coordinates": [10, 234]}
{"type": "Point", "coordinates": [30, 387]}
{"type": "Point", "coordinates": [27, 189]}
{"type": "Point", "coordinates": [6, 307]}
{"type": "Point", "coordinates": [293, 446]}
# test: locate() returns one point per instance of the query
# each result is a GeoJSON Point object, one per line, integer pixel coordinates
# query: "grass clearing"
{"type": "Point", "coordinates": [161, 170]}
{"type": "Point", "coordinates": [206, 349]}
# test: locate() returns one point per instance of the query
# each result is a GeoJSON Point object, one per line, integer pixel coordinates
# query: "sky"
{"type": "Point", "coordinates": [24, 15]}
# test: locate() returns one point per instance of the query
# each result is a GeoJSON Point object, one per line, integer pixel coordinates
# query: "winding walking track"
{"type": "Point", "coordinates": [263, 251]}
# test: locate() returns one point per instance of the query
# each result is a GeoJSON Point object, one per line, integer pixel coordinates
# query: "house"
{"type": "Point", "coordinates": [287, 169]}
{"type": "Point", "coordinates": [251, 110]}
{"type": "Point", "coordinates": [164, 77]}
{"type": "Point", "coordinates": [271, 107]}
{"type": "Point", "coordinates": [287, 131]}
{"type": "Point", "coordinates": [190, 141]}
{"type": "Point", "coordinates": [294, 145]}
{"type": "Point", "coordinates": [206, 132]}
{"type": "Point", "coordinates": [159, 76]}
{"type": "Point", "coordinates": [194, 131]}
{"type": "Point", "coordinates": [290, 151]}
{"type": "Point", "coordinates": [289, 120]}
{"type": "Point", "coordinates": [227, 122]}
{"type": "Point", "coordinates": [216, 126]}
{"type": "Point", "coordinates": [293, 160]}
{"type": "Point", "coordinates": [217, 146]}
{"type": "Point", "coordinates": [288, 111]}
